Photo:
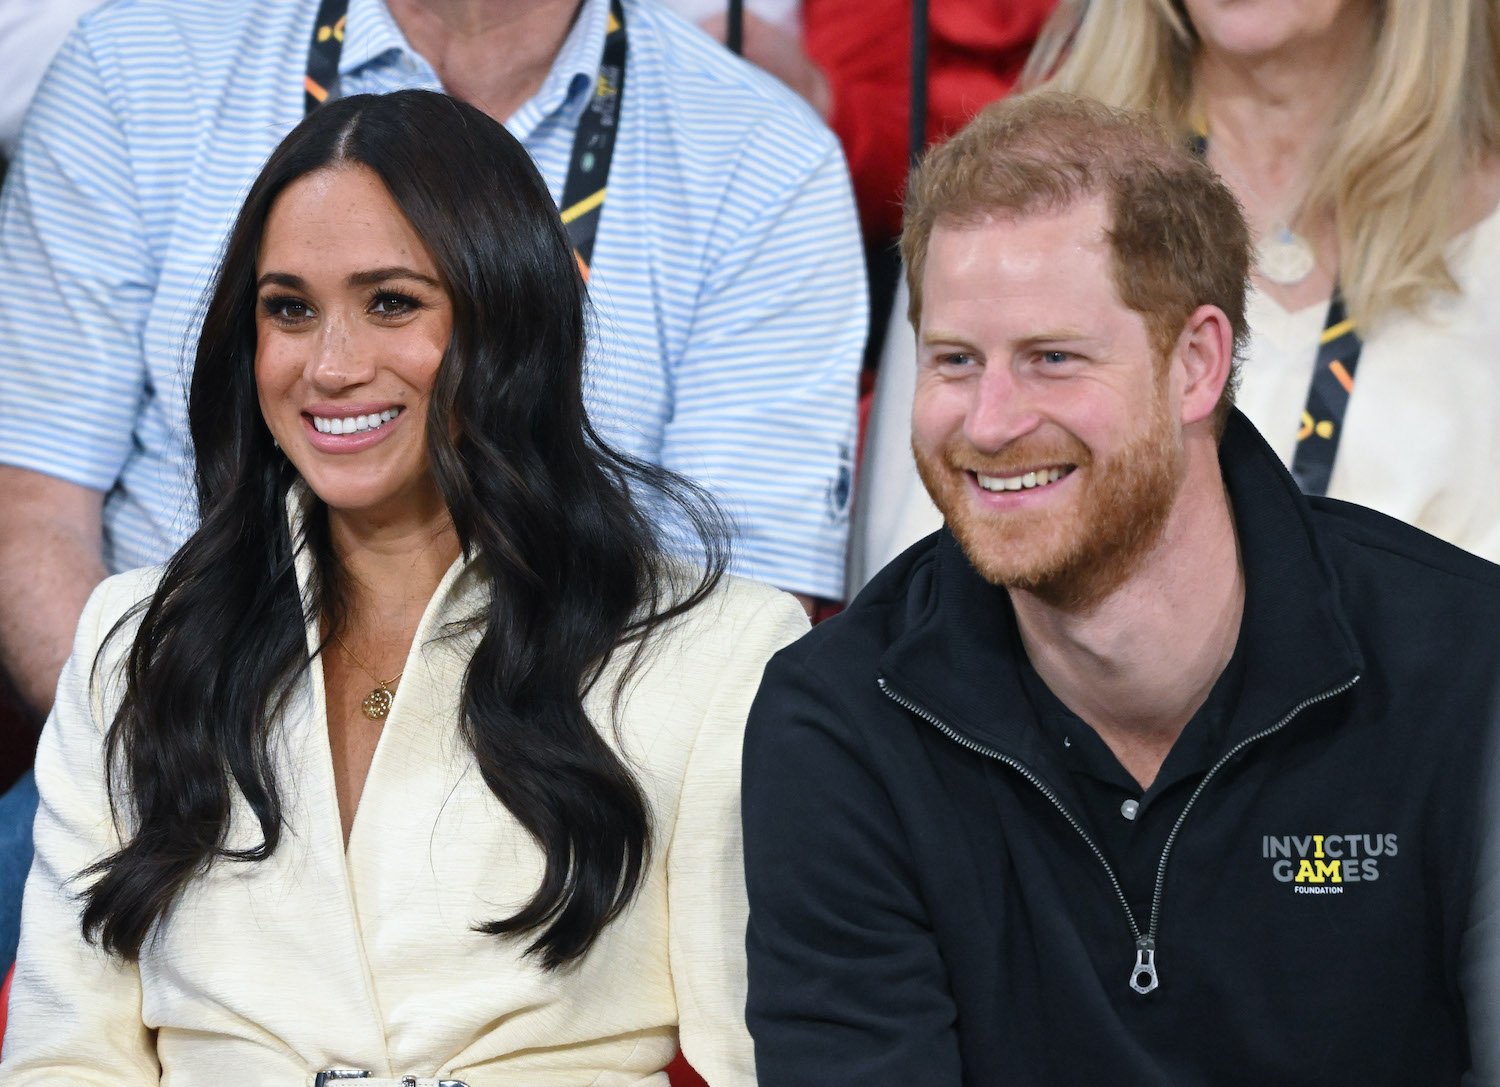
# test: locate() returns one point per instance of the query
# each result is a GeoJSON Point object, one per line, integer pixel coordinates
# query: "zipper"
{"type": "Point", "coordinates": [1145, 955]}
{"type": "Point", "coordinates": [1143, 973]}
{"type": "Point", "coordinates": [1166, 849]}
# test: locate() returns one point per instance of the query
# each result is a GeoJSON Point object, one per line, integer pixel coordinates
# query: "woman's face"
{"type": "Point", "coordinates": [352, 320]}
{"type": "Point", "coordinates": [1251, 29]}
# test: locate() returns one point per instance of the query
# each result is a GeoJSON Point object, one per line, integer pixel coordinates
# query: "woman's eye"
{"type": "Point", "coordinates": [285, 309]}
{"type": "Point", "coordinates": [390, 304]}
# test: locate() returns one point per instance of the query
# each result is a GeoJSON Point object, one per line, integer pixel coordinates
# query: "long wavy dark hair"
{"type": "Point", "coordinates": [550, 514]}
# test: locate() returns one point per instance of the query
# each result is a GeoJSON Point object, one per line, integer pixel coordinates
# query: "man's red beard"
{"type": "Point", "coordinates": [1073, 557]}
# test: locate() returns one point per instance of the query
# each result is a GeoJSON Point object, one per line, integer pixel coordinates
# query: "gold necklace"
{"type": "Point", "coordinates": [377, 703]}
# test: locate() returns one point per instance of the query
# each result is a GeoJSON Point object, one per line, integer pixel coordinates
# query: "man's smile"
{"type": "Point", "coordinates": [1023, 481]}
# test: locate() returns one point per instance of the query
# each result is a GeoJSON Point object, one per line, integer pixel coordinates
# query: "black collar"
{"type": "Point", "coordinates": [954, 658]}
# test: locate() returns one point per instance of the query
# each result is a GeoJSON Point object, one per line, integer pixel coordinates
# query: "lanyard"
{"type": "Point", "coordinates": [593, 143]}
{"type": "Point", "coordinates": [1322, 422]}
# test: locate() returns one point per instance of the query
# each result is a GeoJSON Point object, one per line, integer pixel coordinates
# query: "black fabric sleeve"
{"type": "Point", "coordinates": [847, 985]}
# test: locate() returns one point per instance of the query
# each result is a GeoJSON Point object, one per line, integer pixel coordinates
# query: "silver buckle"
{"type": "Point", "coordinates": [333, 1075]}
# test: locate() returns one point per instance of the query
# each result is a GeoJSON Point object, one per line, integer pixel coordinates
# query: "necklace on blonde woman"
{"type": "Point", "coordinates": [1282, 256]}
{"type": "Point", "coordinates": [377, 703]}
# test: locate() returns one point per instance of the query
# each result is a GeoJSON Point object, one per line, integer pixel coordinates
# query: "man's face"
{"type": "Point", "coordinates": [1045, 423]}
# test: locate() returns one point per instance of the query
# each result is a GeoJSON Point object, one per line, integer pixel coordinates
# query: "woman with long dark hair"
{"type": "Point", "coordinates": [420, 759]}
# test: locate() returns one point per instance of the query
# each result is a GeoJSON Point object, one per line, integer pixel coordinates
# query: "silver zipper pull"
{"type": "Point", "coordinates": [1143, 976]}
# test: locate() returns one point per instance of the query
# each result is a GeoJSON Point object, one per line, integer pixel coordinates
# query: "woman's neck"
{"type": "Point", "coordinates": [1275, 107]}
{"type": "Point", "coordinates": [1273, 110]}
{"type": "Point", "coordinates": [391, 569]}
{"type": "Point", "coordinates": [1268, 118]}
{"type": "Point", "coordinates": [494, 54]}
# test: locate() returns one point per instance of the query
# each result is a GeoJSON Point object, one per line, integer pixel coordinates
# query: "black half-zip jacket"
{"type": "Point", "coordinates": [929, 907]}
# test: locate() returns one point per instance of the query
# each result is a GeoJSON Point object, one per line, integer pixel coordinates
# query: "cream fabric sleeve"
{"type": "Point", "coordinates": [707, 907]}
{"type": "Point", "coordinates": [75, 1012]}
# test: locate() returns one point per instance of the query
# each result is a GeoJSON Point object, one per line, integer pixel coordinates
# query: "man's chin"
{"type": "Point", "coordinates": [1009, 558]}
{"type": "Point", "coordinates": [1067, 584]}
{"type": "Point", "coordinates": [1058, 560]}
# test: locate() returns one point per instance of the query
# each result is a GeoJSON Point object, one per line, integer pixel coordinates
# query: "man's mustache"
{"type": "Point", "coordinates": [1022, 455]}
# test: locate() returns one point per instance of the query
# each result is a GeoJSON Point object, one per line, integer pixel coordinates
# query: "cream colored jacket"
{"type": "Point", "coordinates": [265, 973]}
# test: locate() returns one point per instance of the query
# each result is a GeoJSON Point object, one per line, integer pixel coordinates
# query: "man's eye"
{"type": "Point", "coordinates": [391, 304]}
{"type": "Point", "coordinates": [1055, 356]}
{"type": "Point", "coordinates": [956, 358]}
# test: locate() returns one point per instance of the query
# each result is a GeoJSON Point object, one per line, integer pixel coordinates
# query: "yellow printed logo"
{"type": "Point", "coordinates": [1325, 864]}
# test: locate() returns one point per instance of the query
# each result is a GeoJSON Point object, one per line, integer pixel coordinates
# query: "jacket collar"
{"type": "Point", "coordinates": [956, 657]}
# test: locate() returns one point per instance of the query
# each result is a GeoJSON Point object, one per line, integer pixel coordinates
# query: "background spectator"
{"type": "Point", "coordinates": [30, 32]}
{"type": "Point", "coordinates": [1362, 140]}
{"type": "Point", "coordinates": [852, 62]}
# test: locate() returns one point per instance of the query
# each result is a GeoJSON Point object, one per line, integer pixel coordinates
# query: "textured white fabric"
{"type": "Point", "coordinates": [267, 972]}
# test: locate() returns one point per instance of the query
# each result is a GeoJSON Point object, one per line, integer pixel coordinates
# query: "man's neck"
{"type": "Point", "coordinates": [494, 54]}
{"type": "Point", "coordinates": [1139, 663]}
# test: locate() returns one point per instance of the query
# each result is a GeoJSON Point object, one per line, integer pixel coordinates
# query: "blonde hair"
{"type": "Point", "coordinates": [1403, 147]}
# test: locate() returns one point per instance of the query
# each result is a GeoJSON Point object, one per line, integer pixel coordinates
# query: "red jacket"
{"type": "Point", "coordinates": [976, 50]}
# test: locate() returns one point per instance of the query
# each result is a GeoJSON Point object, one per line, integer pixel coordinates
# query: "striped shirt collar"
{"type": "Point", "coordinates": [372, 37]}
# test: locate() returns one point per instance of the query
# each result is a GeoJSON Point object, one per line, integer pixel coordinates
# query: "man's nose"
{"type": "Point", "coordinates": [339, 359]}
{"type": "Point", "coordinates": [1002, 410]}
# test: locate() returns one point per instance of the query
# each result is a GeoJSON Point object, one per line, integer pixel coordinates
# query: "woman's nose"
{"type": "Point", "coordinates": [337, 360]}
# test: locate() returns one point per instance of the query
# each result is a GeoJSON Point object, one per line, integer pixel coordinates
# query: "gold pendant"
{"type": "Point", "coordinates": [377, 703]}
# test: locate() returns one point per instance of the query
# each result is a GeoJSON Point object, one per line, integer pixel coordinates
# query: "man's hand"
{"type": "Point", "coordinates": [51, 557]}
{"type": "Point", "coordinates": [769, 47]}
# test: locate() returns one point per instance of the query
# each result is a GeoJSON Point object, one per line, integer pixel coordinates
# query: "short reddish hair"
{"type": "Point", "coordinates": [1177, 235]}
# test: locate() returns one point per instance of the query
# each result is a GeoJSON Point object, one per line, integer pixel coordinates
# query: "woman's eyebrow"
{"type": "Point", "coordinates": [281, 279]}
{"type": "Point", "coordinates": [395, 271]}
{"type": "Point", "coordinates": [356, 279]}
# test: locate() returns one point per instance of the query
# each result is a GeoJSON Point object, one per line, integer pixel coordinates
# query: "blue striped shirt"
{"type": "Point", "coordinates": [727, 279]}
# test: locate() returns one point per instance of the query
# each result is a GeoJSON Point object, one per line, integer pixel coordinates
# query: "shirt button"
{"type": "Point", "coordinates": [1129, 808]}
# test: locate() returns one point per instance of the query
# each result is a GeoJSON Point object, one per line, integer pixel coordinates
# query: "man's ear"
{"type": "Point", "coordinates": [1205, 357]}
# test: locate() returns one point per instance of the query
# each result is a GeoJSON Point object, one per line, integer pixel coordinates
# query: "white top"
{"type": "Point", "coordinates": [267, 972]}
{"type": "Point", "coordinates": [892, 510]}
{"type": "Point", "coordinates": [1421, 438]}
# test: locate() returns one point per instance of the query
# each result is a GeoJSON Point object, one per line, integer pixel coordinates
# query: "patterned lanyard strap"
{"type": "Point", "coordinates": [593, 143]}
{"type": "Point", "coordinates": [1322, 423]}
